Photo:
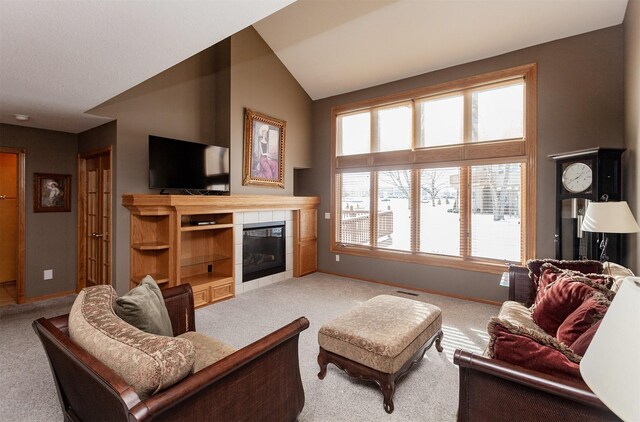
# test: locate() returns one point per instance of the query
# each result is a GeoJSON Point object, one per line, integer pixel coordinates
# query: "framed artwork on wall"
{"type": "Point", "coordinates": [51, 192]}
{"type": "Point", "coordinates": [263, 150]}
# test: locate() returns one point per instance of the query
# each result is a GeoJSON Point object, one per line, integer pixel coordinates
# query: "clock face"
{"type": "Point", "coordinates": [577, 177]}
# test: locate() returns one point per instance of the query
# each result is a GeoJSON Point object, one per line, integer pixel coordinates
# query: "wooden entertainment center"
{"type": "Point", "coordinates": [181, 239]}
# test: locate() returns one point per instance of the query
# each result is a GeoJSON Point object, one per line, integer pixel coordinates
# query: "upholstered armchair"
{"type": "Point", "coordinates": [258, 382]}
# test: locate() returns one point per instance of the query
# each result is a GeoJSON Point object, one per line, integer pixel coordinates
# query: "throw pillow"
{"type": "Point", "coordinates": [581, 345]}
{"type": "Point", "coordinates": [147, 362]}
{"type": "Point", "coordinates": [547, 278]}
{"type": "Point", "coordinates": [580, 320]}
{"type": "Point", "coordinates": [613, 269]}
{"type": "Point", "coordinates": [583, 266]}
{"type": "Point", "coordinates": [559, 301]}
{"type": "Point", "coordinates": [520, 346]}
{"type": "Point", "coordinates": [597, 281]}
{"type": "Point", "coordinates": [144, 308]}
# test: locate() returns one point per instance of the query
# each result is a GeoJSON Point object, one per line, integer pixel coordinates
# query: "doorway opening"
{"type": "Point", "coordinates": [12, 225]}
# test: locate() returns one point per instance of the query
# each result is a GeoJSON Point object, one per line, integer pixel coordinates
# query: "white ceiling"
{"type": "Point", "coordinates": [59, 59]}
{"type": "Point", "coordinates": [337, 46]}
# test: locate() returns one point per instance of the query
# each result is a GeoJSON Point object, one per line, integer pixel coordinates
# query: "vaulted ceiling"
{"type": "Point", "coordinates": [60, 59]}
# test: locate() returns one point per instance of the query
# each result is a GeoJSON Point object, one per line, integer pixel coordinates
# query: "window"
{"type": "Point", "coordinates": [440, 175]}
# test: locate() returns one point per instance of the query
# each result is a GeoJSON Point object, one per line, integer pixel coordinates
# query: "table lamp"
{"type": "Point", "coordinates": [609, 217]}
{"type": "Point", "coordinates": [610, 364]}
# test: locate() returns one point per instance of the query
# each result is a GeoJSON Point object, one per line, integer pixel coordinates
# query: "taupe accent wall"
{"type": "Point", "coordinates": [260, 82]}
{"type": "Point", "coordinates": [194, 101]}
{"type": "Point", "coordinates": [632, 125]}
{"type": "Point", "coordinates": [580, 105]}
{"type": "Point", "coordinates": [50, 238]}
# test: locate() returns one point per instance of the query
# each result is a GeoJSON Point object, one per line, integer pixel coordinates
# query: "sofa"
{"type": "Point", "coordinates": [187, 376]}
{"type": "Point", "coordinates": [530, 369]}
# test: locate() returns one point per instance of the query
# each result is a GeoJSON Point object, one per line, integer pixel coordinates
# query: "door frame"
{"type": "Point", "coordinates": [81, 270]}
{"type": "Point", "coordinates": [22, 159]}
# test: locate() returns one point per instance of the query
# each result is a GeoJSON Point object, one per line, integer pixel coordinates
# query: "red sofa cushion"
{"type": "Point", "coordinates": [582, 343]}
{"type": "Point", "coordinates": [560, 299]}
{"type": "Point", "coordinates": [583, 266]}
{"type": "Point", "coordinates": [580, 320]}
{"type": "Point", "coordinates": [520, 348]}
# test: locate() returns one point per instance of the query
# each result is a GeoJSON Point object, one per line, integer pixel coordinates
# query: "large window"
{"type": "Point", "coordinates": [440, 175]}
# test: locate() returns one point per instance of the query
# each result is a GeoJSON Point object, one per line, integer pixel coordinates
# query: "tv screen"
{"type": "Point", "coordinates": [176, 164]}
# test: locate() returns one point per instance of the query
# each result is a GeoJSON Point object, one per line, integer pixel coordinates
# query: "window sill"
{"type": "Point", "coordinates": [470, 264]}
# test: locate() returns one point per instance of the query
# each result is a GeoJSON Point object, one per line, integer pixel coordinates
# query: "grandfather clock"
{"type": "Point", "coordinates": [581, 177]}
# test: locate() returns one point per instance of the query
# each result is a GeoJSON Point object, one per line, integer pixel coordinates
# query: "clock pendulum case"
{"type": "Point", "coordinates": [581, 177]}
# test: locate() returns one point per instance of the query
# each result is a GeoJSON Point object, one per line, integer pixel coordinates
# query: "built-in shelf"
{"type": "Point", "coordinates": [205, 227]}
{"type": "Point", "coordinates": [202, 259]}
{"type": "Point", "coordinates": [207, 278]}
{"type": "Point", "coordinates": [158, 277]}
{"type": "Point", "coordinates": [150, 246]}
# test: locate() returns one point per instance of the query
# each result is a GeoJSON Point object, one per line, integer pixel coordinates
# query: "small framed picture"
{"type": "Point", "coordinates": [51, 192]}
{"type": "Point", "coordinates": [263, 150]}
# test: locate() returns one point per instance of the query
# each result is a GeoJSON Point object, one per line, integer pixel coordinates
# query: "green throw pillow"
{"type": "Point", "coordinates": [144, 308]}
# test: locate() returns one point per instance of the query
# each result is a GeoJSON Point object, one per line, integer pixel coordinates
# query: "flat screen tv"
{"type": "Point", "coordinates": [188, 166]}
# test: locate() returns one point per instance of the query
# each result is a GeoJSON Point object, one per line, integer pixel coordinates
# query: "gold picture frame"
{"type": "Point", "coordinates": [51, 192]}
{"type": "Point", "coordinates": [263, 150]}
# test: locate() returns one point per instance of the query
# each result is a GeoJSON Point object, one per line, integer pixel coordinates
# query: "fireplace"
{"type": "Point", "coordinates": [263, 250]}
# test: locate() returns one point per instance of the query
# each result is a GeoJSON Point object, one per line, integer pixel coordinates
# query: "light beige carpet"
{"type": "Point", "coordinates": [428, 393]}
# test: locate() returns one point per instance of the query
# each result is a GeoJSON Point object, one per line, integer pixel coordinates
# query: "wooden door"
{"type": "Point", "coordinates": [94, 213]}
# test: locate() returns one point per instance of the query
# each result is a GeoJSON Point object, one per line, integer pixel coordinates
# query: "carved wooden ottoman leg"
{"type": "Point", "coordinates": [388, 387]}
{"type": "Point", "coordinates": [322, 361]}
{"type": "Point", "coordinates": [438, 340]}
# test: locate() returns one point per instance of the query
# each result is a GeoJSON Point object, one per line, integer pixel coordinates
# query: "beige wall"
{"type": "Point", "coordinates": [580, 105]}
{"type": "Point", "coordinates": [191, 101]}
{"type": "Point", "coordinates": [50, 237]}
{"type": "Point", "coordinates": [260, 82]}
{"type": "Point", "coordinates": [632, 125]}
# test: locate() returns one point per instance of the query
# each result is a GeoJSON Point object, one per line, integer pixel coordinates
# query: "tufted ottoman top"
{"type": "Point", "coordinates": [382, 333]}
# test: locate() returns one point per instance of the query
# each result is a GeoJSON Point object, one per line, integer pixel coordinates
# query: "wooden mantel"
{"type": "Point", "coordinates": [229, 203]}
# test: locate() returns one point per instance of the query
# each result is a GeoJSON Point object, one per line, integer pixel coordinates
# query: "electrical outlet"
{"type": "Point", "coordinates": [337, 258]}
{"type": "Point", "coordinates": [327, 216]}
{"type": "Point", "coordinates": [47, 274]}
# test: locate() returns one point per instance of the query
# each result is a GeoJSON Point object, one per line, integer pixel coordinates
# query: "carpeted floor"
{"type": "Point", "coordinates": [428, 393]}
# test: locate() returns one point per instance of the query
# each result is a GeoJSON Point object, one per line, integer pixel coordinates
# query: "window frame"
{"type": "Point", "coordinates": [463, 155]}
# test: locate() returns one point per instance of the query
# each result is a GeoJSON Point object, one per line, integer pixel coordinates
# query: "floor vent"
{"type": "Point", "coordinates": [406, 293]}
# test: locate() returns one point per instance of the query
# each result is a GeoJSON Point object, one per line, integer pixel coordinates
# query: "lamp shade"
{"type": "Point", "coordinates": [609, 217]}
{"type": "Point", "coordinates": [610, 365]}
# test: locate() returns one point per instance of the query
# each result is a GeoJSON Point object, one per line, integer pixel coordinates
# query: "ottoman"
{"type": "Point", "coordinates": [380, 340]}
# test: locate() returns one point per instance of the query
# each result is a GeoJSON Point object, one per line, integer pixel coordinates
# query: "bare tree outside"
{"type": "Point", "coordinates": [434, 181]}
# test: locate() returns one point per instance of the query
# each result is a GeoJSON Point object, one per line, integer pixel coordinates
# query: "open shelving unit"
{"type": "Point", "coordinates": [151, 247]}
{"type": "Point", "coordinates": [206, 256]}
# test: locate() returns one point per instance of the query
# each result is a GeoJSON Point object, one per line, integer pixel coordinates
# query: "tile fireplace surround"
{"type": "Point", "coordinates": [242, 218]}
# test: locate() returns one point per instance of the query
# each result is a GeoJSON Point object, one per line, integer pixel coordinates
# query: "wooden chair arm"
{"type": "Point", "coordinates": [491, 389]}
{"type": "Point", "coordinates": [521, 288]}
{"type": "Point", "coordinates": [224, 388]}
{"type": "Point", "coordinates": [179, 302]}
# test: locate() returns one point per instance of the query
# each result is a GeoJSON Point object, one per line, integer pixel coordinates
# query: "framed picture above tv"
{"type": "Point", "coordinates": [263, 150]}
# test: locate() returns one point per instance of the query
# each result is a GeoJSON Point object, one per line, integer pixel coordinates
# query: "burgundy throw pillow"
{"type": "Point", "coordinates": [519, 349]}
{"type": "Point", "coordinates": [547, 277]}
{"type": "Point", "coordinates": [583, 266]}
{"type": "Point", "coordinates": [580, 320]}
{"type": "Point", "coordinates": [559, 301]}
{"type": "Point", "coordinates": [581, 345]}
